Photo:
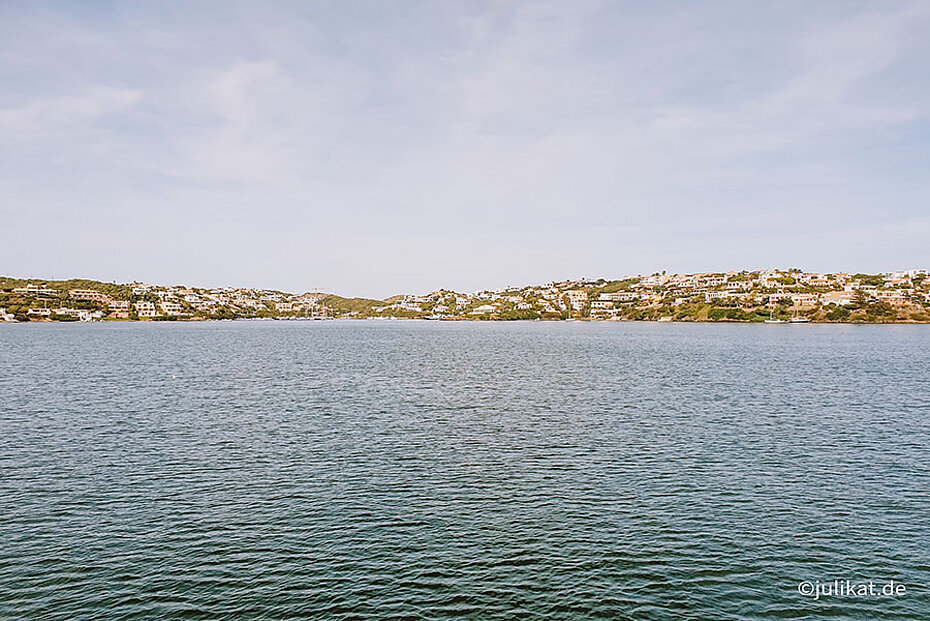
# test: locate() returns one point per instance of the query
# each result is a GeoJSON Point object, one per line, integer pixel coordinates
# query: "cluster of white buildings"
{"type": "Point", "coordinates": [802, 290]}
{"type": "Point", "coordinates": [600, 298]}
{"type": "Point", "coordinates": [185, 301]}
{"type": "Point", "coordinates": [153, 301]}
{"type": "Point", "coordinates": [81, 314]}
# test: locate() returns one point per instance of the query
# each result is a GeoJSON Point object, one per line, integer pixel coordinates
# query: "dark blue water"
{"type": "Point", "coordinates": [424, 470]}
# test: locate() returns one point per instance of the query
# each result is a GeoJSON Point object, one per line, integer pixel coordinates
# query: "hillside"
{"type": "Point", "coordinates": [351, 305]}
{"type": "Point", "coordinates": [122, 292]}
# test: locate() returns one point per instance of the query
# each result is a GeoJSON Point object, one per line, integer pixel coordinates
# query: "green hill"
{"type": "Point", "coordinates": [351, 305]}
{"type": "Point", "coordinates": [117, 291]}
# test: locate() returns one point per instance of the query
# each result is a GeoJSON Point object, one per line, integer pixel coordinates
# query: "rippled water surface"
{"type": "Point", "coordinates": [424, 470]}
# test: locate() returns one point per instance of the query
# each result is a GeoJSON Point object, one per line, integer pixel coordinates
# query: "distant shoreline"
{"type": "Point", "coordinates": [758, 296]}
{"type": "Point", "coordinates": [476, 320]}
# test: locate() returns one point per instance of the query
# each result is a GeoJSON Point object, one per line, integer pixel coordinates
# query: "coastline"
{"type": "Point", "coordinates": [758, 296]}
{"type": "Point", "coordinates": [474, 320]}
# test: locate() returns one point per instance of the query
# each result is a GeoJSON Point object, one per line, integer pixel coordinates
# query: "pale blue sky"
{"type": "Point", "coordinates": [371, 148]}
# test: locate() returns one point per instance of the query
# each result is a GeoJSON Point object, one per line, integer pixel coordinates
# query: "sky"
{"type": "Point", "coordinates": [375, 148]}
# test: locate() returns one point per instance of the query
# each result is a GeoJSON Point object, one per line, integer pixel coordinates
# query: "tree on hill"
{"type": "Point", "coordinates": [870, 279]}
{"type": "Point", "coordinates": [351, 305]}
{"type": "Point", "coordinates": [616, 285]}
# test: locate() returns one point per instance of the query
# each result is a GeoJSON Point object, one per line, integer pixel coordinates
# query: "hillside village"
{"type": "Point", "coordinates": [744, 296]}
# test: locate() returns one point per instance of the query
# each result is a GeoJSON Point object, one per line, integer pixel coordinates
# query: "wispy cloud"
{"type": "Point", "coordinates": [56, 112]}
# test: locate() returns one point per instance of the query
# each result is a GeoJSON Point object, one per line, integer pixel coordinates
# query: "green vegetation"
{"type": "Point", "coordinates": [351, 305]}
{"type": "Point", "coordinates": [512, 315]}
{"type": "Point", "coordinates": [617, 285]}
{"type": "Point", "coordinates": [880, 310]}
{"type": "Point", "coordinates": [731, 314]}
{"type": "Point", "coordinates": [837, 313]}
{"type": "Point", "coordinates": [869, 279]}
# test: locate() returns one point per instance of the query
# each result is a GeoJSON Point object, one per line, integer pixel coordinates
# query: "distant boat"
{"type": "Point", "coordinates": [797, 318]}
{"type": "Point", "coordinates": [772, 319]}
{"type": "Point", "coordinates": [663, 319]}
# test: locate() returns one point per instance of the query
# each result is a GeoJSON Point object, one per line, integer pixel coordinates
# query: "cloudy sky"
{"type": "Point", "coordinates": [371, 148]}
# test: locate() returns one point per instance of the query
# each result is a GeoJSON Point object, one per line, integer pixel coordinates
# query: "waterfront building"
{"type": "Point", "coordinates": [146, 309]}
{"type": "Point", "coordinates": [172, 308]}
